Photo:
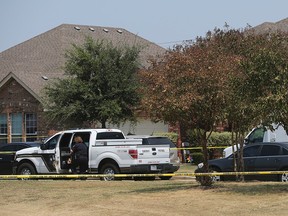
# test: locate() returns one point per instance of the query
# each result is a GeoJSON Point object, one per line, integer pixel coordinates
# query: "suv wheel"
{"type": "Point", "coordinates": [284, 177]}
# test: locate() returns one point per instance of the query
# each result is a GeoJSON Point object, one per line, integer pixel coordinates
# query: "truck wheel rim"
{"type": "Point", "coordinates": [109, 171]}
{"type": "Point", "coordinates": [215, 178]}
{"type": "Point", "coordinates": [26, 171]}
{"type": "Point", "coordinates": [284, 177]}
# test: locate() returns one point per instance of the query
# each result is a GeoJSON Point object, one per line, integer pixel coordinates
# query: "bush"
{"type": "Point", "coordinates": [197, 157]}
{"type": "Point", "coordinates": [220, 139]}
{"type": "Point", "coordinates": [172, 136]}
{"type": "Point", "coordinates": [216, 138]}
{"type": "Point", "coordinates": [193, 138]}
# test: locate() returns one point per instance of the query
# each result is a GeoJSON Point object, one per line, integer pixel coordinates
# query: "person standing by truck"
{"type": "Point", "coordinates": [79, 154]}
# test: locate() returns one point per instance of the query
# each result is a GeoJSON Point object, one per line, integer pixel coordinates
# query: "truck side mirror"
{"type": "Point", "coordinates": [246, 141]}
{"type": "Point", "coordinates": [43, 146]}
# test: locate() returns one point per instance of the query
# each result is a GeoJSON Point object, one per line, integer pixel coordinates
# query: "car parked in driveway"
{"type": "Point", "coordinates": [7, 152]}
{"type": "Point", "coordinates": [257, 157]}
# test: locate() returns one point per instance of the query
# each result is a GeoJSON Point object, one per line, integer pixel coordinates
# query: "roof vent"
{"type": "Point", "coordinates": [77, 28]}
{"type": "Point", "coordinates": [91, 29]}
{"type": "Point", "coordinates": [45, 77]}
{"type": "Point", "coordinates": [105, 30]}
{"type": "Point", "coordinates": [119, 31]}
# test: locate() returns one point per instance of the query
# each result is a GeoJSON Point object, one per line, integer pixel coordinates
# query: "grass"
{"type": "Point", "coordinates": [187, 168]}
{"type": "Point", "coordinates": [177, 196]}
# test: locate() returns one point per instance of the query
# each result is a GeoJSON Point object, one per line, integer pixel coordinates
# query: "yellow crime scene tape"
{"type": "Point", "coordinates": [209, 147]}
{"type": "Point", "coordinates": [7, 152]}
{"type": "Point", "coordinates": [77, 176]}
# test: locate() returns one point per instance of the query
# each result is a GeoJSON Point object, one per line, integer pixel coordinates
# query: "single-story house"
{"type": "Point", "coordinates": [27, 67]}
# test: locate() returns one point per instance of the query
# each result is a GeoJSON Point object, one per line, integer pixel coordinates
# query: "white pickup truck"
{"type": "Point", "coordinates": [109, 152]}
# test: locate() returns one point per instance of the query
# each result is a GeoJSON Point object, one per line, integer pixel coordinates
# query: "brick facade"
{"type": "Point", "coordinates": [14, 98]}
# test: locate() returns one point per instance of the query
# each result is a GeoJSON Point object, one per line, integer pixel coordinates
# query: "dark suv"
{"type": "Point", "coordinates": [7, 153]}
{"type": "Point", "coordinates": [258, 157]}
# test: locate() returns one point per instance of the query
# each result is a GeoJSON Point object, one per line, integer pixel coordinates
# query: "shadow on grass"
{"type": "Point", "coordinates": [245, 188]}
{"type": "Point", "coordinates": [167, 187]}
{"type": "Point", "coordinates": [256, 188]}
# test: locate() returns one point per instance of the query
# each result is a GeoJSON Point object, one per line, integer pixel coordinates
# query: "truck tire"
{"type": "Point", "coordinates": [26, 169]}
{"type": "Point", "coordinates": [149, 178]}
{"type": "Point", "coordinates": [165, 177]}
{"type": "Point", "coordinates": [284, 176]}
{"type": "Point", "coordinates": [109, 169]}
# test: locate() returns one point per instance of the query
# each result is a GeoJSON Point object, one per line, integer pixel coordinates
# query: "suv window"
{"type": "Point", "coordinates": [270, 150]}
{"type": "Point", "coordinates": [251, 151]}
{"type": "Point", "coordinates": [158, 141]}
{"type": "Point", "coordinates": [11, 147]}
{"type": "Point", "coordinates": [284, 151]}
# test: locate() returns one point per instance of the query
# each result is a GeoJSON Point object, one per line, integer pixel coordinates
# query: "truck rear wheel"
{"type": "Point", "coordinates": [109, 169]}
{"type": "Point", "coordinates": [26, 169]}
{"type": "Point", "coordinates": [165, 177]}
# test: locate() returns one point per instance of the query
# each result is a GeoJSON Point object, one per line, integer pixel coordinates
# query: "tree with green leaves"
{"type": "Point", "coordinates": [229, 75]}
{"type": "Point", "coordinates": [189, 86]}
{"type": "Point", "coordinates": [258, 92]}
{"type": "Point", "coordinates": [100, 85]}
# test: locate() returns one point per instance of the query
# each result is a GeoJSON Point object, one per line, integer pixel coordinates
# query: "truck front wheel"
{"type": "Point", "coordinates": [109, 169]}
{"type": "Point", "coordinates": [26, 169]}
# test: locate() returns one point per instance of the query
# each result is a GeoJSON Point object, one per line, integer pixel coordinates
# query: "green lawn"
{"type": "Point", "coordinates": [187, 168]}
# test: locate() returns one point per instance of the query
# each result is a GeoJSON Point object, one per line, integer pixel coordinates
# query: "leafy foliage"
{"type": "Point", "coordinates": [232, 76]}
{"type": "Point", "coordinates": [100, 85]}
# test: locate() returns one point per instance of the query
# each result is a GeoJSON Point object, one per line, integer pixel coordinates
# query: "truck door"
{"type": "Point", "coordinates": [86, 140]}
{"type": "Point", "coordinates": [63, 153]}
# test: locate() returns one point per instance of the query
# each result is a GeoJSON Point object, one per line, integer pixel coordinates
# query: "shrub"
{"type": "Point", "coordinates": [220, 139]}
{"type": "Point", "coordinates": [216, 138]}
{"type": "Point", "coordinates": [197, 157]}
{"type": "Point", "coordinates": [172, 136]}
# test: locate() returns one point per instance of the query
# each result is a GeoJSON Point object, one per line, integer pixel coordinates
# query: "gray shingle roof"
{"type": "Point", "coordinates": [43, 55]}
{"type": "Point", "coordinates": [281, 25]}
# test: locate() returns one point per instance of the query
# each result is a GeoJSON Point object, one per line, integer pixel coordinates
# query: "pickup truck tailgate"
{"type": "Point", "coordinates": [153, 154]}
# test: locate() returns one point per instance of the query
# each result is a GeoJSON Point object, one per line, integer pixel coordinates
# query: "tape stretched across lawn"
{"type": "Point", "coordinates": [73, 176]}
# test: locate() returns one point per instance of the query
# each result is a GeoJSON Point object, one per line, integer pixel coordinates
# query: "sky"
{"type": "Point", "coordinates": [164, 22]}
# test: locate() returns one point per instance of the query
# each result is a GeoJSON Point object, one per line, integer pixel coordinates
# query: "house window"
{"type": "Point", "coordinates": [31, 126]}
{"type": "Point", "coordinates": [3, 128]}
{"type": "Point", "coordinates": [16, 127]}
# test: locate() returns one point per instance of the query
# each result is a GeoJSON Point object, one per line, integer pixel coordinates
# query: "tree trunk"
{"type": "Point", "coordinates": [103, 123]}
{"type": "Point", "coordinates": [205, 151]}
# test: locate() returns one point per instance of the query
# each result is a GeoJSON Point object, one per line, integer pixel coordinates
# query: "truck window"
{"type": "Point", "coordinates": [51, 144]}
{"type": "Point", "coordinates": [85, 137]}
{"type": "Point", "coordinates": [256, 136]}
{"type": "Point", "coordinates": [109, 135]}
{"type": "Point", "coordinates": [65, 140]}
